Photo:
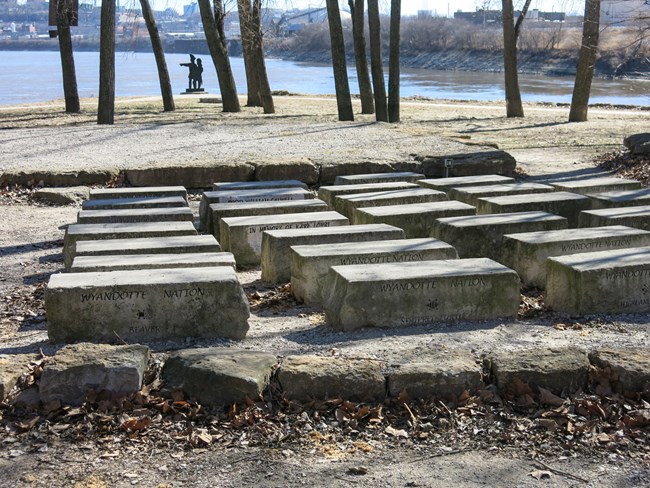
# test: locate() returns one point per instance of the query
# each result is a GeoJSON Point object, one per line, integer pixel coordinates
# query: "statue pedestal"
{"type": "Point", "coordinates": [191, 91]}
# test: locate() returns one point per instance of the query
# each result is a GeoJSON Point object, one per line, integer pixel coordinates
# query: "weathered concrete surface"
{"type": "Point", "coordinates": [58, 178]}
{"type": "Point", "coordinates": [527, 252]}
{"type": "Point", "coordinates": [188, 175]}
{"type": "Point", "coordinates": [330, 171]}
{"type": "Point", "coordinates": [600, 184]}
{"type": "Point", "coordinates": [638, 217]}
{"type": "Point", "coordinates": [446, 184]}
{"type": "Point", "coordinates": [283, 169]}
{"type": "Point", "coordinates": [481, 235]}
{"type": "Point", "coordinates": [91, 264]}
{"type": "Point", "coordinates": [12, 367]}
{"type": "Point", "coordinates": [638, 143]}
{"type": "Point", "coordinates": [396, 295]}
{"type": "Point", "coordinates": [565, 204]}
{"type": "Point", "coordinates": [471, 194]}
{"type": "Point", "coordinates": [136, 202]}
{"type": "Point", "coordinates": [175, 214]}
{"type": "Point", "coordinates": [445, 375]}
{"type": "Point", "coordinates": [304, 378]}
{"type": "Point", "coordinates": [627, 370]}
{"type": "Point", "coordinates": [470, 164]}
{"type": "Point", "coordinates": [557, 370]}
{"type": "Point", "coordinates": [415, 219]}
{"type": "Point", "coordinates": [217, 376]}
{"type": "Point", "coordinates": [158, 191]}
{"type": "Point", "coordinates": [620, 198]}
{"type": "Point", "coordinates": [615, 281]}
{"type": "Point", "coordinates": [78, 368]}
{"type": "Point", "coordinates": [62, 196]}
{"type": "Point", "coordinates": [243, 235]}
{"type": "Point", "coordinates": [408, 176]}
{"type": "Point", "coordinates": [276, 259]}
{"type": "Point", "coordinates": [346, 204]}
{"type": "Point", "coordinates": [311, 264]}
{"type": "Point", "coordinates": [145, 306]}
{"type": "Point", "coordinates": [257, 185]}
{"type": "Point", "coordinates": [329, 193]}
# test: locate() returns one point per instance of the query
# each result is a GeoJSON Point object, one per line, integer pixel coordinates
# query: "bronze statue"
{"type": "Point", "coordinates": [195, 78]}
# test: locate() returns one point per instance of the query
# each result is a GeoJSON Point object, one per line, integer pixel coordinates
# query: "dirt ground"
{"type": "Point", "coordinates": [312, 449]}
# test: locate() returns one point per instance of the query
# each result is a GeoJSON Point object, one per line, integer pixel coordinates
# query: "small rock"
{"type": "Point", "coordinates": [62, 196]}
{"type": "Point", "coordinates": [629, 368]}
{"type": "Point", "coordinates": [638, 143]}
{"type": "Point", "coordinates": [12, 367]}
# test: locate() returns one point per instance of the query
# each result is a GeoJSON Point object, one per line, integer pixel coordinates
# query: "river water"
{"type": "Point", "coordinates": [28, 77]}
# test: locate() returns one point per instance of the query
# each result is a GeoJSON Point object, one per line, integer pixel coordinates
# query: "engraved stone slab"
{"type": "Point", "coordinates": [415, 219]}
{"type": "Point", "coordinates": [346, 204]}
{"type": "Point", "coordinates": [329, 193]}
{"type": "Point", "coordinates": [565, 204]}
{"type": "Point", "coordinates": [176, 214]}
{"type": "Point", "coordinates": [638, 216]}
{"type": "Point", "coordinates": [615, 281]}
{"type": "Point", "coordinates": [222, 210]}
{"type": "Point", "coordinates": [310, 264]}
{"type": "Point", "coordinates": [471, 194]}
{"type": "Point", "coordinates": [241, 196]}
{"type": "Point", "coordinates": [145, 306]}
{"type": "Point", "coordinates": [276, 260]}
{"type": "Point", "coordinates": [257, 185]}
{"type": "Point", "coordinates": [394, 295]}
{"type": "Point", "coordinates": [595, 185]}
{"type": "Point", "coordinates": [140, 192]}
{"type": "Point", "coordinates": [482, 235]}
{"type": "Point", "coordinates": [91, 232]}
{"type": "Point", "coordinates": [446, 184]}
{"type": "Point", "coordinates": [623, 198]}
{"type": "Point", "coordinates": [139, 202]}
{"type": "Point", "coordinates": [243, 235]}
{"type": "Point", "coordinates": [527, 252]}
{"type": "Point", "coordinates": [365, 179]}
{"type": "Point", "coordinates": [89, 264]}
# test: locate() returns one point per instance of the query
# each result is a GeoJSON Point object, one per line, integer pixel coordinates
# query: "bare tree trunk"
{"type": "Point", "coordinates": [343, 98]}
{"type": "Point", "coordinates": [514, 107]}
{"type": "Point", "coordinates": [586, 62]}
{"type": "Point", "coordinates": [214, 34]}
{"type": "Point", "coordinates": [247, 32]}
{"type": "Point", "coordinates": [357, 8]}
{"type": "Point", "coordinates": [106, 107]}
{"type": "Point", "coordinates": [393, 61]}
{"type": "Point", "coordinates": [70, 92]}
{"type": "Point", "coordinates": [159, 54]}
{"type": "Point", "coordinates": [264, 86]}
{"type": "Point", "coordinates": [378, 84]}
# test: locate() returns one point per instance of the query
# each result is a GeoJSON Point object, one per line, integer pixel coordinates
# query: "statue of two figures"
{"type": "Point", "coordinates": [195, 78]}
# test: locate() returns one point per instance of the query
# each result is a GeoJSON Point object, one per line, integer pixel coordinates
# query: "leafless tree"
{"type": "Point", "coordinates": [357, 8]}
{"type": "Point", "coordinates": [247, 35]}
{"type": "Point", "coordinates": [106, 106]}
{"type": "Point", "coordinates": [342, 86]}
{"type": "Point", "coordinates": [64, 17]}
{"type": "Point", "coordinates": [258, 46]}
{"type": "Point", "coordinates": [393, 61]}
{"type": "Point", "coordinates": [376, 64]}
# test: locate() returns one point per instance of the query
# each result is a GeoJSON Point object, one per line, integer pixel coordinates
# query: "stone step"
{"type": "Point", "coordinates": [311, 264]}
{"type": "Point", "coordinates": [346, 204]}
{"type": "Point", "coordinates": [446, 184]}
{"type": "Point", "coordinates": [616, 281]}
{"type": "Point", "coordinates": [527, 252]}
{"type": "Point", "coordinates": [565, 204]}
{"type": "Point", "coordinates": [471, 194]}
{"type": "Point", "coordinates": [91, 232]}
{"type": "Point", "coordinates": [90, 264]}
{"type": "Point", "coordinates": [329, 193]}
{"type": "Point", "coordinates": [638, 216]}
{"type": "Point", "coordinates": [243, 235]}
{"type": "Point", "coordinates": [257, 185]}
{"type": "Point", "coordinates": [617, 199]}
{"type": "Point", "coordinates": [146, 306]}
{"type": "Point", "coordinates": [248, 196]}
{"type": "Point", "coordinates": [139, 192]}
{"type": "Point", "coordinates": [176, 214]}
{"type": "Point", "coordinates": [394, 295]}
{"type": "Point", "coordinates": [136, 202]}
{"type": "Point", "coordinates": [276, 244]}
{"type": "Point", "coordinates": [482, 235]}
{"type": "Point", "coordinates": [219, 211]}
{"type": "Point", "coordinates": [416, 219]}
{"type": "Point", "coordinates": [364, 179]}
{"type": "Point", "coordinates": [600, 184]}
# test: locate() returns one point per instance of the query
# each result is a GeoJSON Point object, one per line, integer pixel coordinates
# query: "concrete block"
{"type": "Point", "coordinates": [638, 143]}
{"type": "Point", "coordinates": [276, 260]}
{"type": "Point", "coordinates": [471, 194]}
{"type": "Point", "coordinates": [470, 164]}
{"type": "Point", "coordinates": [146, 306]}
{"type": "Point", "coordinates": [136, 202]}
{"type": "Point", "coordinates": [287, 167]}
{"type": "Point", "coordinates": [12, 367]}
{"type": "Point", "coordinates": [627, 369]}
{"type": "Point", "coordinates": [329, 172]}
{"type": "Point", "coordinates": [176, 214]}
{"type": "Point", "coordinates": [62, 196]}
{"type": "Point", "coordinates": [243, 235]}
{"type": "Point", "coordinates": [397, 295]}
{"type": "Point", "coordinates": [311, 264]}
{"type": "Point", "coordinates": [620, 198]}
{"type": "Point", "coordinates": [90, 264]}
{"type": "Point", "coordinates": [329, 193]}
{"type": "Point", "coordinates": [364, 179]}
{"type": "Point", "coordinates": [142, 192]}
{"type": "Point", "coordinates": [257, 185]}
{"type": "Point", "coordinates": [346, 204]}
{"type": "Point", "coordinates": [188, 175]}
{"type": "Point", "coordinates": [638, 217]}
{"type": "Point", "coordinates": [446, 184]}
{"type": "Point", "coordinates": [599, 184]}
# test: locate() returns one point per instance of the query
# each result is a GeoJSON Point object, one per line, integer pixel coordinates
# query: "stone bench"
{"type": "Point", "coordinates": [310, 264]}
{"type": "Point", "coordinates": [146, 306]}
{"type": "Point", "coordinates": [471, 194]}
{"type": "Point", "coordinates": [364, 179]}
{"type": "Point", "coordinates": [140, 192]}
{"type": "Point", "coordinates": [91, 232]}
{"type": "Point", "coordinates": [248, 196]}
{"type": "Point", "coordinates": [416, 219]}
{"type": "Point", "coordinates": [219, 211]}
{"type": "Point", "coordinates": [482, 235]}
{"type": "Point", "coordinates": [568, 205]}
{"type": "Point", "coordinates": [257, 185]}
{"type": "Point", "coordinates": [329, 193]}
{"type": "Point", "coordinates": [527, 252]}
{"type": "Point", "coordinates": [599, 184]}
{"type": "Point", "coordinates": [276, 244]}
{"type": "Point", "coordinates": [243, 235]}
{"type": "Point", "coordinates": [638, 217]}
{"type": "Point", "coordinates": [139, 202]}
{"type": "Point", "coordinates": [394, 295]}
{"type": "Point", "coordinates": [616, 199]}
{"type": "Point", "coordinates": [346, 204]}
{"type": "Point", "coordinates": [175, 214]}
{"type": "Point", "coordinates": [446, 184]}
{"type": "Point", "coordinates": [616, 281]}
{"type": "Point", "coordinates": [90, 264]}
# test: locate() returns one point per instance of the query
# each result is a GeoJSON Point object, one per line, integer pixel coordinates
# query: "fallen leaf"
{"type": "Point", "coordinates": [539, 474]}
{"type": "Point", "coordinates": [396, 432]}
